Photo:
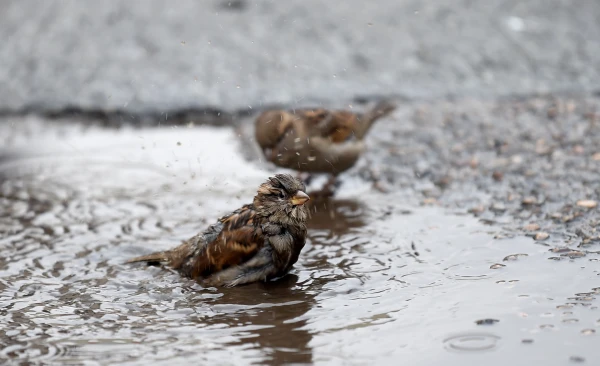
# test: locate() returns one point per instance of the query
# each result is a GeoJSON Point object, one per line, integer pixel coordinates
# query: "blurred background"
{"type": "Point", "coordinates": [158, 56]}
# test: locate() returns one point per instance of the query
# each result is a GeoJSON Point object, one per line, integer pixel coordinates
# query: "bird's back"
{"type": "Point", "coordinates": [233, 239]}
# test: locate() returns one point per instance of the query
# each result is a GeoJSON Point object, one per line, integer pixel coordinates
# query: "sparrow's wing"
{"type": "Point", "coordinates": [335, 125]}
{"type": "Point", "coordinates": [231, 241]}
{"type": "Point", "coordinates": [236, 241]}
{"type": "Point", "coordinates": [318, 122]}
{"type": "Point", "coordinates": [342, 126]}
{"type": "Point", "coordinates": [270, 261]}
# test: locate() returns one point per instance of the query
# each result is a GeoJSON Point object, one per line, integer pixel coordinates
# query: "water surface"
{"type": "Point", "coordinates": [381, 280]}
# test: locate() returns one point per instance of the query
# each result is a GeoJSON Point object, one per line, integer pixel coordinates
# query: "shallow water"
{"type": "Point", "coordinates": [381, 280]}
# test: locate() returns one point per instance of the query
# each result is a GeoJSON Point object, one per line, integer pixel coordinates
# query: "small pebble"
{"type": "Point", "coordinates": [529, 200]}
{"type": "Point", "coordinates": [499, 207]}
{"type": "Point", "coordinates": [587, 203]}
{"type": "Point", "coordinates": [532, 227]}
{"type": "Point", "coordinates": [577, 359]}
{"type": "Point", "coordinates": [574, 254]}
{"type": "Point", "coordinates": [497, 266]}
{"type": "Point", "coordinates": [527, 341]}
{"type": "Point", "coordinates": [473, 163]}
{"type": "Point", "coordinates": [514, 257]}
{"type": "Point", "coordinates": [477, 209]}
{"type": "Point", "coordinates": [487, 321]}
{"type": "Point", "coordinates": [541, 236]}
{"type": "Point", "coordinates": [578, 149]}
{"type": "Point", "coordinates": [570, 321]}
{"type": "Point", "coordinates": [497, 176]}
{"type": "Point", "coordinates": [596, 156]}
{"type": "Point", "coordinates": [429, 201]}
{"type": "Point", "coordinates": [588, 332]}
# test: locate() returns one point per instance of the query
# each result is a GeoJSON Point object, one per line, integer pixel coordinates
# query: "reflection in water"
{"type": "Point", "coordinates": [273, 309]}
{"type": "Point", "coordinates": [376, 282]}
{"type": "Point", "coordinates": [336, 216]}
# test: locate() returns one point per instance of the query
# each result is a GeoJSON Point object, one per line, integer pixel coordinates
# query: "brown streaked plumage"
{"type": "Point", "coordinates": [316, 140]}
{"type": "Point", "coordinates": [257, 242]}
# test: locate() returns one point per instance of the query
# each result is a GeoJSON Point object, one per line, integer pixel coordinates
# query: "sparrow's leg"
{"type": "Point", "coordinates": [329, 187]}
{"type": "Point", "coordinates": [332, 183]}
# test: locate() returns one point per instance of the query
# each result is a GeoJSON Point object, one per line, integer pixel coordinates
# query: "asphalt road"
{"type": "Point", "coordinates": [151, 56]}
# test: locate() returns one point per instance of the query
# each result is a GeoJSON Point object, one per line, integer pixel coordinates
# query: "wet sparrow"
{"type": "Point", "coordinates": [257, 242]}
{"type": "Point", "coordinates": [316, 140]}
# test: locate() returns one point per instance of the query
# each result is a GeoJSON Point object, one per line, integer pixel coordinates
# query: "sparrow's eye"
{"type": "Point", "coordinates": [281, 195]}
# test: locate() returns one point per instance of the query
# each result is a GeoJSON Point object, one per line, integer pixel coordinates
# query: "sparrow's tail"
{"type": "Point", "coordinates": [151, 258]}
{"type": "Point", "coordinates": [381, 109]}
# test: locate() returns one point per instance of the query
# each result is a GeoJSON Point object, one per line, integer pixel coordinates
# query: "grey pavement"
{"type": "Point", "coordinates": [150, 56]}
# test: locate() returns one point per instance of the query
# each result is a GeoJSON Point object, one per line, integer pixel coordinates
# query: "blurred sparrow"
{"type": "Point", "coordinates": [316, 140]}
{"type": "Point", "coordinates": [257, 242]}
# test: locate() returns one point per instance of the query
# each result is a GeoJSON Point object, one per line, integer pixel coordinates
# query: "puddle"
{"type": "Point", "coordinates": [378, 281]}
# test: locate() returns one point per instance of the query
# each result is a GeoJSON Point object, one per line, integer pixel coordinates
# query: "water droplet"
{"type": "Point", "coordinates": [471, 342]}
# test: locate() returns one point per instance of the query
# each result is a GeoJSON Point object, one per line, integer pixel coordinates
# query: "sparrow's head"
{"type": "Point", "coordinates": [281, 199]}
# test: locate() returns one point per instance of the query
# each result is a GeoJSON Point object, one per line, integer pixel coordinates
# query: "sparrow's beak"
{"type": "Point", "coordinates": [299, 198]}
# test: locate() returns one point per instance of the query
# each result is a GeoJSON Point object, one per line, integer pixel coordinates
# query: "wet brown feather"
{"type": "Point", "coordinates": [286, 139]}
{"type": "Point", "coordinates": [238, 238]}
